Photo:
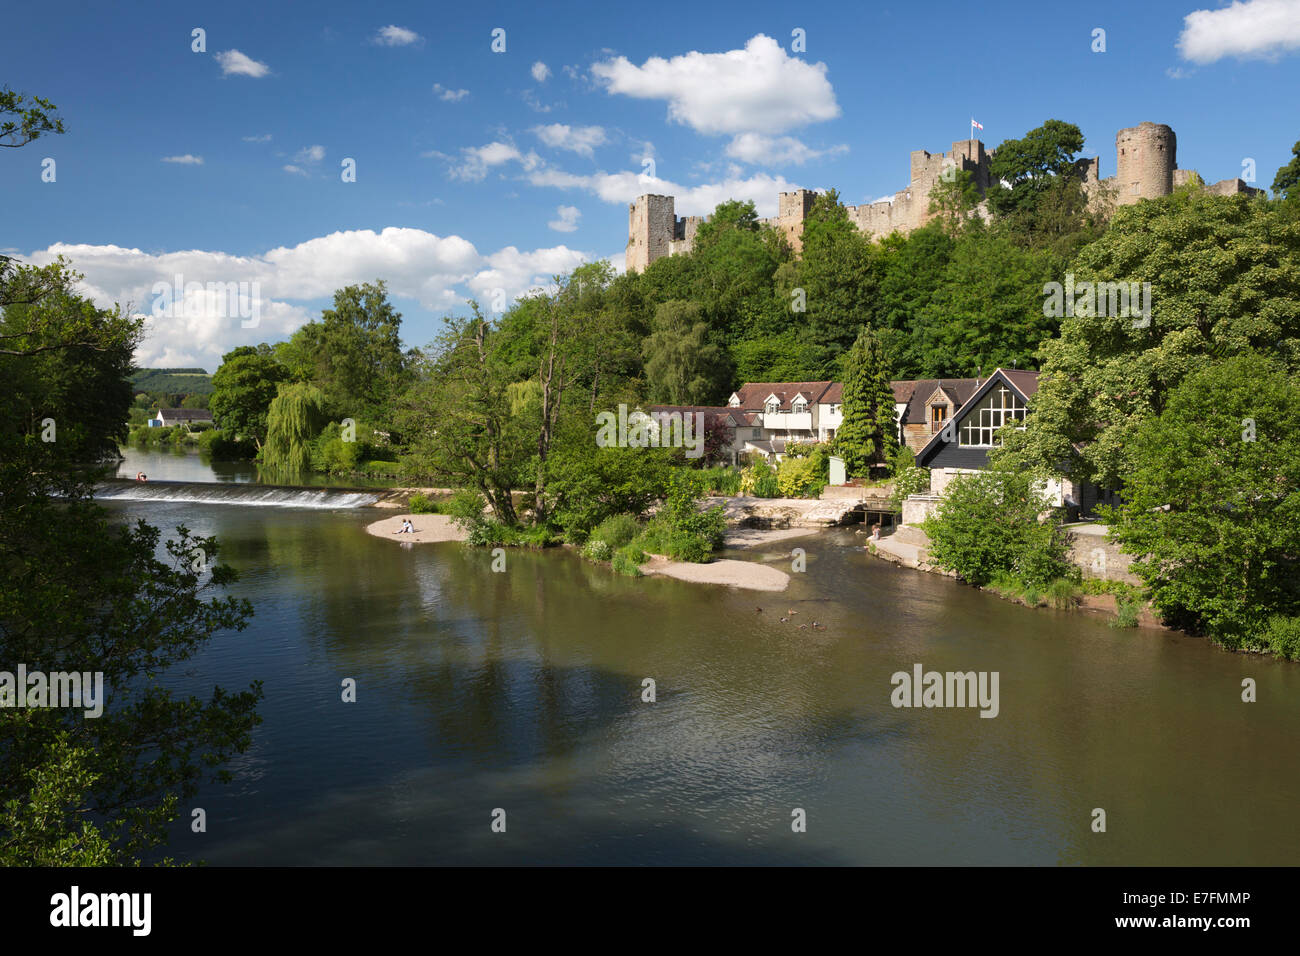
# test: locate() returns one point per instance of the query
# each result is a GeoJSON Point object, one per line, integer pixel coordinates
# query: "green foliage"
{"type": "Point", "coordinates": [903, 459]}
{"type": "Point", "coordinates": [1282, 637]}
{"type": "Point", "coordinates": [680, 529]}
{"type": "Point", "coordinates": [1030, 165]}
{"type": "Point", "coordinates": [1288, 176]}
{"type": "Point", "coordinates": [589, 485]}
{"type": "Point", "coordinates": [78, 791]}
{"type": "Point", "coordinates": [243, 388]}
{"type": "Point", "coordinates": [1063, 594]}
{"type": "Point", "coordinates": [597, 550]}
{"type": "Point", "coordinates": [867, 432]}
{"type": "Point", "coordinates": [24, 119]}
{"type": "Point", "coordinates": [798, 478]}
{"type": "Point", "coordinates": [1213, 514]}
{"type": "Point", "coordinates": [721, 480]}
{"type": "Point", "coordinates": [617, 530]}
{"type": "Point", "coordinates": [422, 504]}
{"type": "Point", "coordinates": [1225, 280]}
{"type": "Point", "coordinates": [683, 366]}
{"type": "Point", "coordinates": [65, 361]}
{"type": "Point", "coordinates": [292, 422]}
{"type": "Point", "coordinates": [353, 354]}
{"type": "Point", "coordinates": [837, 273]}
{"type": "Point", "coordinates": [222, 446]}
{"type": "Point", "coordinates": [627, 561]}
{"type": "Point", "coordinates": [988, 525]}
{"type": "Point", "coordinates": [911, 481]}
{"type": "Point", "coordinates": [986, 310]}
{"type": "Point", "coordinates": [759, 480]}
{"type": "Point", "coordinates": [1128, 610]}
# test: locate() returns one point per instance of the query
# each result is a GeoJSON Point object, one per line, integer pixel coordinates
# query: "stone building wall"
{"type": "Point", "coordinates": [1146, 163]}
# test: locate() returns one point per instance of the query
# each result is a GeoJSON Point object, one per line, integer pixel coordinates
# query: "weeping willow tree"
{"type": "Point", "coordinates": [292, 421]}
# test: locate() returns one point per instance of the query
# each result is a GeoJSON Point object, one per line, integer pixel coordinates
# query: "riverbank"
{"type": "Point", "coordinates": [737, 574]}
{"type": "Point", "coordinates": [429, 529]}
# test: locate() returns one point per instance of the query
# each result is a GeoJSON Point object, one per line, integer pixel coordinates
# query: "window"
{"type": "Point", "coordinates": [997, 408]}
{"type": "Point", "coordinates": [773, 407]}
{"type": "Point", "coordinates": [938, 413]}
{"type": "Point", "coordinates": [758, 433]}
{"type": "Point", "coordinates": [799, 408]}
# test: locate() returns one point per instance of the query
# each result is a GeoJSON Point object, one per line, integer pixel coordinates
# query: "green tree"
{"type": "Point", "coordinates": [996, 523]}
{"type": "Point", "coordinates": [243, 388]}
{"type": "Point", "coordinates": [837, 274]}
{"type": "Point", "coordinates": [1030, 165]}
{"type": "Point", "coordinates": [866, 435]}
{"type": "Point", "coordinates": [1224, 274]}
{"type": "Point", "coordinates": [459, 417]}
{"type": "Point", "coordinates": [353, 354]}
{"type": "Point", "coordinates": [683, 365]}
{"type": "Point", "coordinates": [82, 592]}
{"type": "Point", "coordinates": [986, 311]}
{"type": "Point", "coordinates": [1212, 506]}
{"type": "Point", "coordinates": [1288, 176]}
{"type": "Point", "coordinates": [292, 423]}
{"type": "Point", "coordinates": [26, 118]}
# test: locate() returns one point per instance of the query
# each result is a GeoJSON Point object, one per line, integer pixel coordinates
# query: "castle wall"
{"type": "Point", "coordinates": [1146, 168]}
{"type": "Point", "coordinates": [651, 226]}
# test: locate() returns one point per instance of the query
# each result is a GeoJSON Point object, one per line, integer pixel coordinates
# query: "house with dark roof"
{"type": "Point", "coordinates": [167, 417]}
{"type": "Point", "coordinates": [962, 440]}
{"type": "Point", "coordinates": [781, 412]}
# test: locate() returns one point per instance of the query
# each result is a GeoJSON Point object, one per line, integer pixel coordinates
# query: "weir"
{"type": "Point", "coordinates": [247, 494]}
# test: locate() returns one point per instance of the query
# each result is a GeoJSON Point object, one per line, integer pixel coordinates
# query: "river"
{"type": "Point", "coordinates": [522, 691]}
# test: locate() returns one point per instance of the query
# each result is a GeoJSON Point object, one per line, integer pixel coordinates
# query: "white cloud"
{"type": "Point", "coordinates": [296, 170]}
{"type": "Point", "coordinates": [449, 96]}
{"type": "Point", "coordinates": [310, 154]}
{"type": "Point", "coordinates": [264, 138]}
{"type": "Point", "coordinates": [757, 89]}
{"type": "Point", "coordinates": [475, 161]}
{"type": "Point", "coordinates": [568, 219]}
{"type": "Point", "coordinates": [535, 104]}
{"type": "Point", "coordinates": [236, 63]}
{"type": "Point", "coordinates": [776, 150]}
{"type": "Point", "coordinates": [576, 139]}
{"type": "Point", "coordinates": [1257, 28]}
{"type": "Point", "coordinates": [438, 272]}
{"type": "Point", "coordinates": [541, 72]}
{"type": "Point", "coordinates": [396, 36]}
{"type": "Point", "coordinates": [186, 160]}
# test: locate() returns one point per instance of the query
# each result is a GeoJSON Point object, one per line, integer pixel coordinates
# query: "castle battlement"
{"type": "Point", "coordinates": [1146, 168]}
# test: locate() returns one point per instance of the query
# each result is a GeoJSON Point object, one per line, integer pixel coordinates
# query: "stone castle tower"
{"type": "Point", "coordinates": [654, 231]}
{"type": "Point", "coordinates": [1146, 161]}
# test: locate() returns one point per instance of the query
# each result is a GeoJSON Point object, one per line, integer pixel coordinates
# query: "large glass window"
{"type": "Point", "coordinates": [998, 407]}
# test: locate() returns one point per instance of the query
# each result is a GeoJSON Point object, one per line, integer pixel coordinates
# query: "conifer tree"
{"type": "Point", "coordinates": [866, 434]}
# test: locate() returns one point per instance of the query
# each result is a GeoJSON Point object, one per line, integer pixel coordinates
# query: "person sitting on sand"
{"type": "Point", "coordinates": [406, 528]}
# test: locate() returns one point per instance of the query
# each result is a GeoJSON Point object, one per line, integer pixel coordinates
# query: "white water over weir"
{"type": "Point", "coordinates": [246, 494]}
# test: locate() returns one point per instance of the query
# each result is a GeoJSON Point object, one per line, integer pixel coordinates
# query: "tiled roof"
{"type": "Point", "coordinates": [959, 389]}
{"type": "Point", "coordinates": [753, 395]}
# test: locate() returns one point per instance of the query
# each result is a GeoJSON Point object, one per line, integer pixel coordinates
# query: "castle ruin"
{"type": "Point", "coordinates": [1145, 161]}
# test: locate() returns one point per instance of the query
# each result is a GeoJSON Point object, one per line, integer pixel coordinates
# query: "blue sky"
{"type": "Point", "coordinates": [478, 170]}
